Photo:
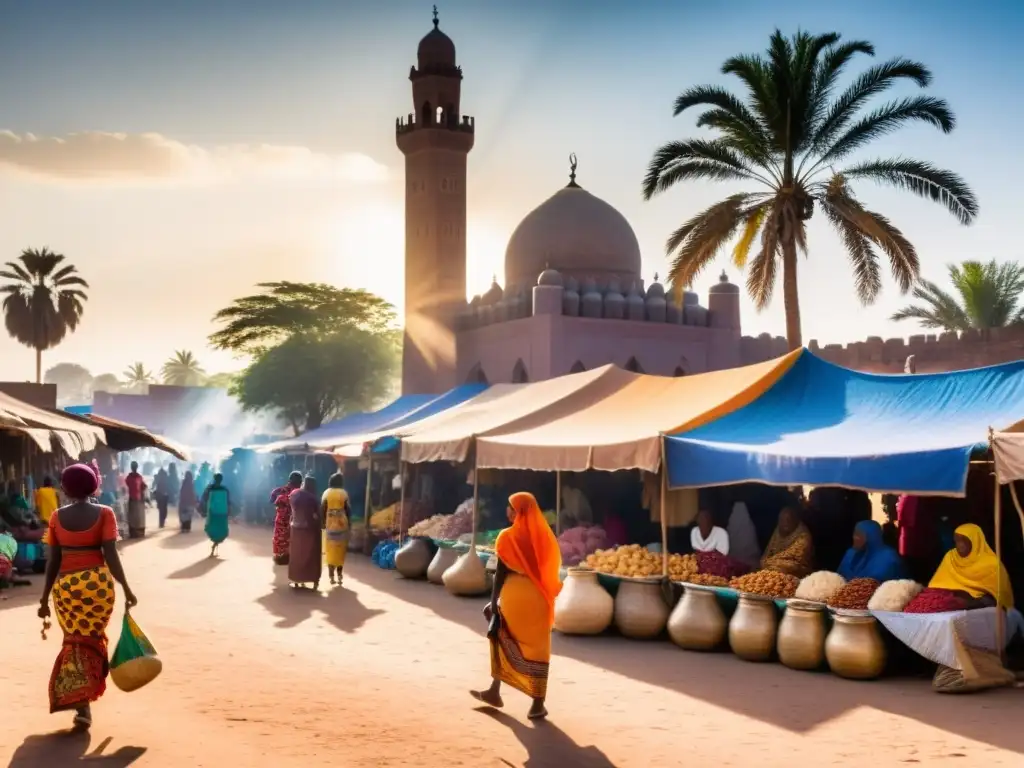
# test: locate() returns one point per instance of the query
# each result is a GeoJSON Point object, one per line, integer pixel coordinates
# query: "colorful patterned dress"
{"type": "Point", "coordinates": [282, 523]}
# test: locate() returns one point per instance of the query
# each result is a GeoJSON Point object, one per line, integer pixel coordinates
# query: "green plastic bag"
{"type": "Point", "coordinates": [134, 663]}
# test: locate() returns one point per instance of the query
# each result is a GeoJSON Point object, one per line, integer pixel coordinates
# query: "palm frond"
{"type": "Point", "coordinates": [828, 72]}
{"type": "Point", "coordinates": [17, 272]}
{"type": "Point", "coordinates": [866, 274]}
{"type": "Point", "coordinates": [763, 269]}
{"type": "Point", "coordinates": [924, 180]}
{"type": "Point", "coordinates": [751, 226]}
{"type": "Point", "coordinates": [698, 241]}
{"type": "Point", "coordinates": [939, 310]}
{"type": "Point", "coordinates": [695, 159]}
{"type": "Point", "coordinates": [754, 73]}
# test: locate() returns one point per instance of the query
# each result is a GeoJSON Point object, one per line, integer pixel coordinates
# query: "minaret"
{"type": "Point", "coordinates": [435, 139]}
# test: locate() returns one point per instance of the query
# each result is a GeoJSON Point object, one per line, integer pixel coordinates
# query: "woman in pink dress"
{"type": "Point", "coordinates": [305, 552]}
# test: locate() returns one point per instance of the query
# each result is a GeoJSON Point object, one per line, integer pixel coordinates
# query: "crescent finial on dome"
{"type": "Point", "coordinates": [572, 170]}
{"type": "Point", "coordinates": [436, 21]}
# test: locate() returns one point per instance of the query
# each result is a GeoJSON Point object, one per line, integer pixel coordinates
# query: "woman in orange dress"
{"type": "Point", "coordinates": [522, 608]}
{"type": "Point", "coordinates": [80, 578]}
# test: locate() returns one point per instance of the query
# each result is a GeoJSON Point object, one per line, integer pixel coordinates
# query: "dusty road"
{"type": "Point", "coordinates": [376, 674]}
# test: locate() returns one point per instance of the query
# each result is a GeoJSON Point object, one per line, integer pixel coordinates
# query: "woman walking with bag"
{"type": "Point", "coordinates": [522, 608]}
{"type": "Point", "coordinates": [80, 579]}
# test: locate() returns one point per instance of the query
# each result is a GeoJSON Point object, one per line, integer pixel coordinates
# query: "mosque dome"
{"type": "Point", "coordinates": [436, 49]}
{"type": "Point", "coordinates": [577, 234]}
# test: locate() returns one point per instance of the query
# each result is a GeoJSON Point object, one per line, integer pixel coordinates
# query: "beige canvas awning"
{"type": "Point", "coordinates": [40, 425]}
{"type": "Point", "coordinates": [622, 429]}
{"type": "Point", "coordinates": [449, 436]}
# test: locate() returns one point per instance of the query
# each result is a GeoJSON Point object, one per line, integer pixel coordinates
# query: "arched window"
{"type": "Point", "coordinates": [428, 114]}
{"type": "Point", "coordinates": [634, 366]}
{"type": "Point", "coordinates": [577, 367]}
{"type": "Point", "coordinates": [477, 375]}
{"type": "Point", "coordinates": [519, 374]}
{"type": "Point", "coordinates": [440, 116]}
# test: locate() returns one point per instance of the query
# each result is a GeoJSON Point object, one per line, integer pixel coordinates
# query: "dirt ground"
{"type": "Point", "coordinates": [376, 674]}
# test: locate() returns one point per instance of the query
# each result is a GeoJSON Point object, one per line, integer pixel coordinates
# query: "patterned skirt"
{"type": "Point", "coordinates": [83, 603]}
{"type": "Point", "coordinates": [521, 653]}
{"type": "Point", "coordinates": [282, 535]}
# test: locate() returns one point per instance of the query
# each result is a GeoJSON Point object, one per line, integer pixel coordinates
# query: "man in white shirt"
{"type": "Point", "coordinates": [708, 537]}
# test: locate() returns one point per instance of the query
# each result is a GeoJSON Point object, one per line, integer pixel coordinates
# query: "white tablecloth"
{"type": "Point", "coordinates": [932, 634]}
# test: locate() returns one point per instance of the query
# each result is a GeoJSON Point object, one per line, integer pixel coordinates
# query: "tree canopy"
{"type": "Point", "coordinates": [984, 296]}
{"type": "Point", "coordinates": [74, 382]}
{"type": "Point", "coordinates": [183, 370]}
{"type": "Point", "coordinates": [106, 382]}
{"type": "Point", "coordinates": [311, 378]}
{"type": "Point", "coordinates": [790, 136]}
{"type": "Point", "coordinates": [257, 322]}
{"type": "Point", "coordinates": [44, 300]}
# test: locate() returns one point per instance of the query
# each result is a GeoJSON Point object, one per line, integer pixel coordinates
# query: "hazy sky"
{"type": "Point", "coordinates": [179, 153]}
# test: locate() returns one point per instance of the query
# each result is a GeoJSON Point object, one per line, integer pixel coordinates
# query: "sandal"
{"type": "Point", "coordinates": [82, 722]}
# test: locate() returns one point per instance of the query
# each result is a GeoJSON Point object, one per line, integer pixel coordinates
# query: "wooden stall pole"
{"type": "Point", "coordinates": [401, 500]}
{"type": "Point", "coordinates": [1000, 614]}
{"type": "Point", "coordinates": [558, 502]}
{"type": "Point", "coordinates": [664, 517]}
{"type": "Point", "coordinates": [369, 494]}
{"type": "Point", "coordinates": [476, 500]}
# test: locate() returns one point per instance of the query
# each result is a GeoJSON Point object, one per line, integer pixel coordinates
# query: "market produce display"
{"type": "Point", "coordinates": [458, 523]}
{"type": "Point", "coordinates": [708, 580]}
{"type": "Point", "coordinates": [933, 600]}
{"type": "Point", "coordinates": [819, 586]}
{"type": "Point", "coordinates": [383, 555]}
{"type": "Point", "coordinates": [384, 519]}
{"type": "Point", "coordinates": [767, 583]}
{"type": "Point", "coordinates": [579, 542]}
{"type": "Point", "coordinates": [854, 595]}
{"type": "Point", "coordinates": [635, 561]}
{"type": "Point", "coordinates": [894, 595]}
{"type": "Point", "coordinates": [430, 527]}
{"type": "Point", "coordinates": [716, 564]}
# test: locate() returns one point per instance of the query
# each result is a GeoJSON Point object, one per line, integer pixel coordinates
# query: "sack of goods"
{"type": "Point", "coordinates": [134, 663]}
{"type": "Point", "coordinates": [819, 586]}
{"type": "Point", "coordinates": [894, 595]}
{"type": "Point", "coordinates": [934, 600]}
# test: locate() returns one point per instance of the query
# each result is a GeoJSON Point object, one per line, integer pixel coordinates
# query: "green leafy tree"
{"type": "Point", "coordinates": [786, 137]}
{"type": "Point", "coordinates": [137, 378]}
{"type": "Point", "coordinates": [182, 370]}
{"type": "Point", "coordinates": [107, 382]}
{"type": "Point", "coordinates": [255, 323]}
{"type": "Point", "coordinates": [221, 380]}
{"type": "Point", "coordinates": [312, 378]}
{"type": "Point", "coordinates": [984, 296]}
{"type": "Point", "coordinates": [44, 301]}
{"type": "Point", "coordinates": [73, 381]}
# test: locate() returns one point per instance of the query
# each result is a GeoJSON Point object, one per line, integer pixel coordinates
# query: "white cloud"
{"type": "Point", "coordinates": [152, 157]}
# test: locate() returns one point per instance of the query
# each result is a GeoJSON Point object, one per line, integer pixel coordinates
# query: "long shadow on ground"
{"type": "Point", "coordinates": [548, 746]}
{"type": "Point", "coordinates": [67, 748]}
{"type": "Point", "coordinates": [340, 606]}
{"type": "Point", "coordinates": [771, 693]}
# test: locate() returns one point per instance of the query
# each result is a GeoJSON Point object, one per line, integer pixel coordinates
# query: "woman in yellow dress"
{"type": "Point", "coordinates": [522, 608]}
{"type": "Point", "coordinates": [336, 510]}
{"type": "Point", "coordinates": [973, 569]}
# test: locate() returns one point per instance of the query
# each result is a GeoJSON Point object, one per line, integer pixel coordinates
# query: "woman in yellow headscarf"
{"type": "Point", "coordinates": [972, 567]}
{"type": "Point", "coordinates": [522, 608]}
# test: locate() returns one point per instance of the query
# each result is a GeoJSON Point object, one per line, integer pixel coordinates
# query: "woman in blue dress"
{"type": "Point", "coordinates": [216, 505]}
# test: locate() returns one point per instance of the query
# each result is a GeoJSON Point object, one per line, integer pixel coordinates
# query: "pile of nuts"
{"type": "Point", "coordinates": [708, 580]}
{"type": "Point", "coordinates": [682, 567]}
{"type": "Point", "coordinates": [767, 583]}
{"type": "Point", "coordinates": [854, 595]}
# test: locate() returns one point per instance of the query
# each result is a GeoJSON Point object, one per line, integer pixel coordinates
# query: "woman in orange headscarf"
{"type": "Point", "coordinates": [522, 608]}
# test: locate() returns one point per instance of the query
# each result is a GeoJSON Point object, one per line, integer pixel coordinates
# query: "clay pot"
{"type": "Point", "coordinates": [854, 647]}
{"type": "Point", "coordinates": [583, 607]}
{"type": "Point", "coordinates": [468, 577]}
{"type": "Point", "coordinates": [443, 560]}
{"type": "Point", "coordinates": [697, 623]}
{"type": "Point", "coordinates": [413, 559]}
{"type": "Point", "coordinates": [801, 637]}
{"type": "Point", "coordinates": [753, 627]}
{"type": "Point", "coordinates": [640, 609]}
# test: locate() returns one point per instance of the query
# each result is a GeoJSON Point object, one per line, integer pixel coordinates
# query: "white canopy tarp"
{"type": "Point", "coordinates": [40, 425]}
{"type": "Point", "coordinates": [1008, 450]}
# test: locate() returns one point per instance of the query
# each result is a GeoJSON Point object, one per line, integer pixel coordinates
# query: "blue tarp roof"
{"type": "Point", "coordinates": [449, 399]}
{"type": "Point", "coordinates": [821, 424]}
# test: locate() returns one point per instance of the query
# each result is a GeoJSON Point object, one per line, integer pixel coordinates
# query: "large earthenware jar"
{"type": "Point", "coordinates": [583, 607]}
{"type": "Point", "coordinates": [801, 638]}
{"type": "Point", "coordinates": [413, 558]}
{"type": "Point", "coordinates": [443, 560]}
{"type": "Point", "coordinates": [468, 576]}
{"type": "Point", "coordinates": [697, 622]}
{"type": "Point", "coordinates": [753, 627]}
{"type": "Point", "coordinates": [640, 609]}
{"type": "Point", "coordinates": [854, 648]}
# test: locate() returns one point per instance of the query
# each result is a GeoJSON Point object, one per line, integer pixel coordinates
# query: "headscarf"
{"type": "Point", "coordinates": [980, 573]}
{"type": "Point", "coordinates": [529, 547]}
{"type": "Point", "coordinates": [792, 553]}
{"type": "Point", "coordinates": [875, 561]}
{"type": "Point", "coordinates": [743, 545]}
{"type": "Point", "coordinates": [79, 481]}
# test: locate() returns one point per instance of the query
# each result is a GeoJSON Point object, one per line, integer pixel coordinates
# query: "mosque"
{"type": "Point", "coordinates": [573, 298]}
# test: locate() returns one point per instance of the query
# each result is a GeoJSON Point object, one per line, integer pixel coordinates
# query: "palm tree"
{"type": "Point", "coordinates": [44, 300]}
{"type": "Point", "coordinates": [183, 370]}
{"type": "Point", "coordinates": [986, 296]}
{"type": "Point", "coordinates": [136, 377]}
{"type": "Point", "coordinates": [787, 136]}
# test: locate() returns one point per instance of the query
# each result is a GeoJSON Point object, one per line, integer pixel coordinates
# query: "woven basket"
{"type": "Point", "coordinates": [136, 673]}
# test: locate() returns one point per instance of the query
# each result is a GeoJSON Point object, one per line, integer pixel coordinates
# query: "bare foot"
{"type": "Point", "coordinates": [538, 711]}
{"type": "Point", "coordinates": [488, 698]}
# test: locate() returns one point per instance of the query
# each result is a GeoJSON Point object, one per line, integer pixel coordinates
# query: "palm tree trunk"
{"type": "Point", "coordinates": [790, 293]}
{"type": "Point", "coordinates": [39, 365]}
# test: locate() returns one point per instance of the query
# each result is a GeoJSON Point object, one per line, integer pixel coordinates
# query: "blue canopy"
{"type": "Point", "coordinates": [821, 424]}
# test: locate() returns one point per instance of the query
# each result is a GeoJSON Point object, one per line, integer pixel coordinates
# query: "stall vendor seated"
{"type": "Point", "coordinates": [870, 557]}
{"type": "Point", "coordinates": [790, 549]}
{"type": "Point", "coordinates": [705, 536]}
{"type": "Point", "coordinates": [972, 569]}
